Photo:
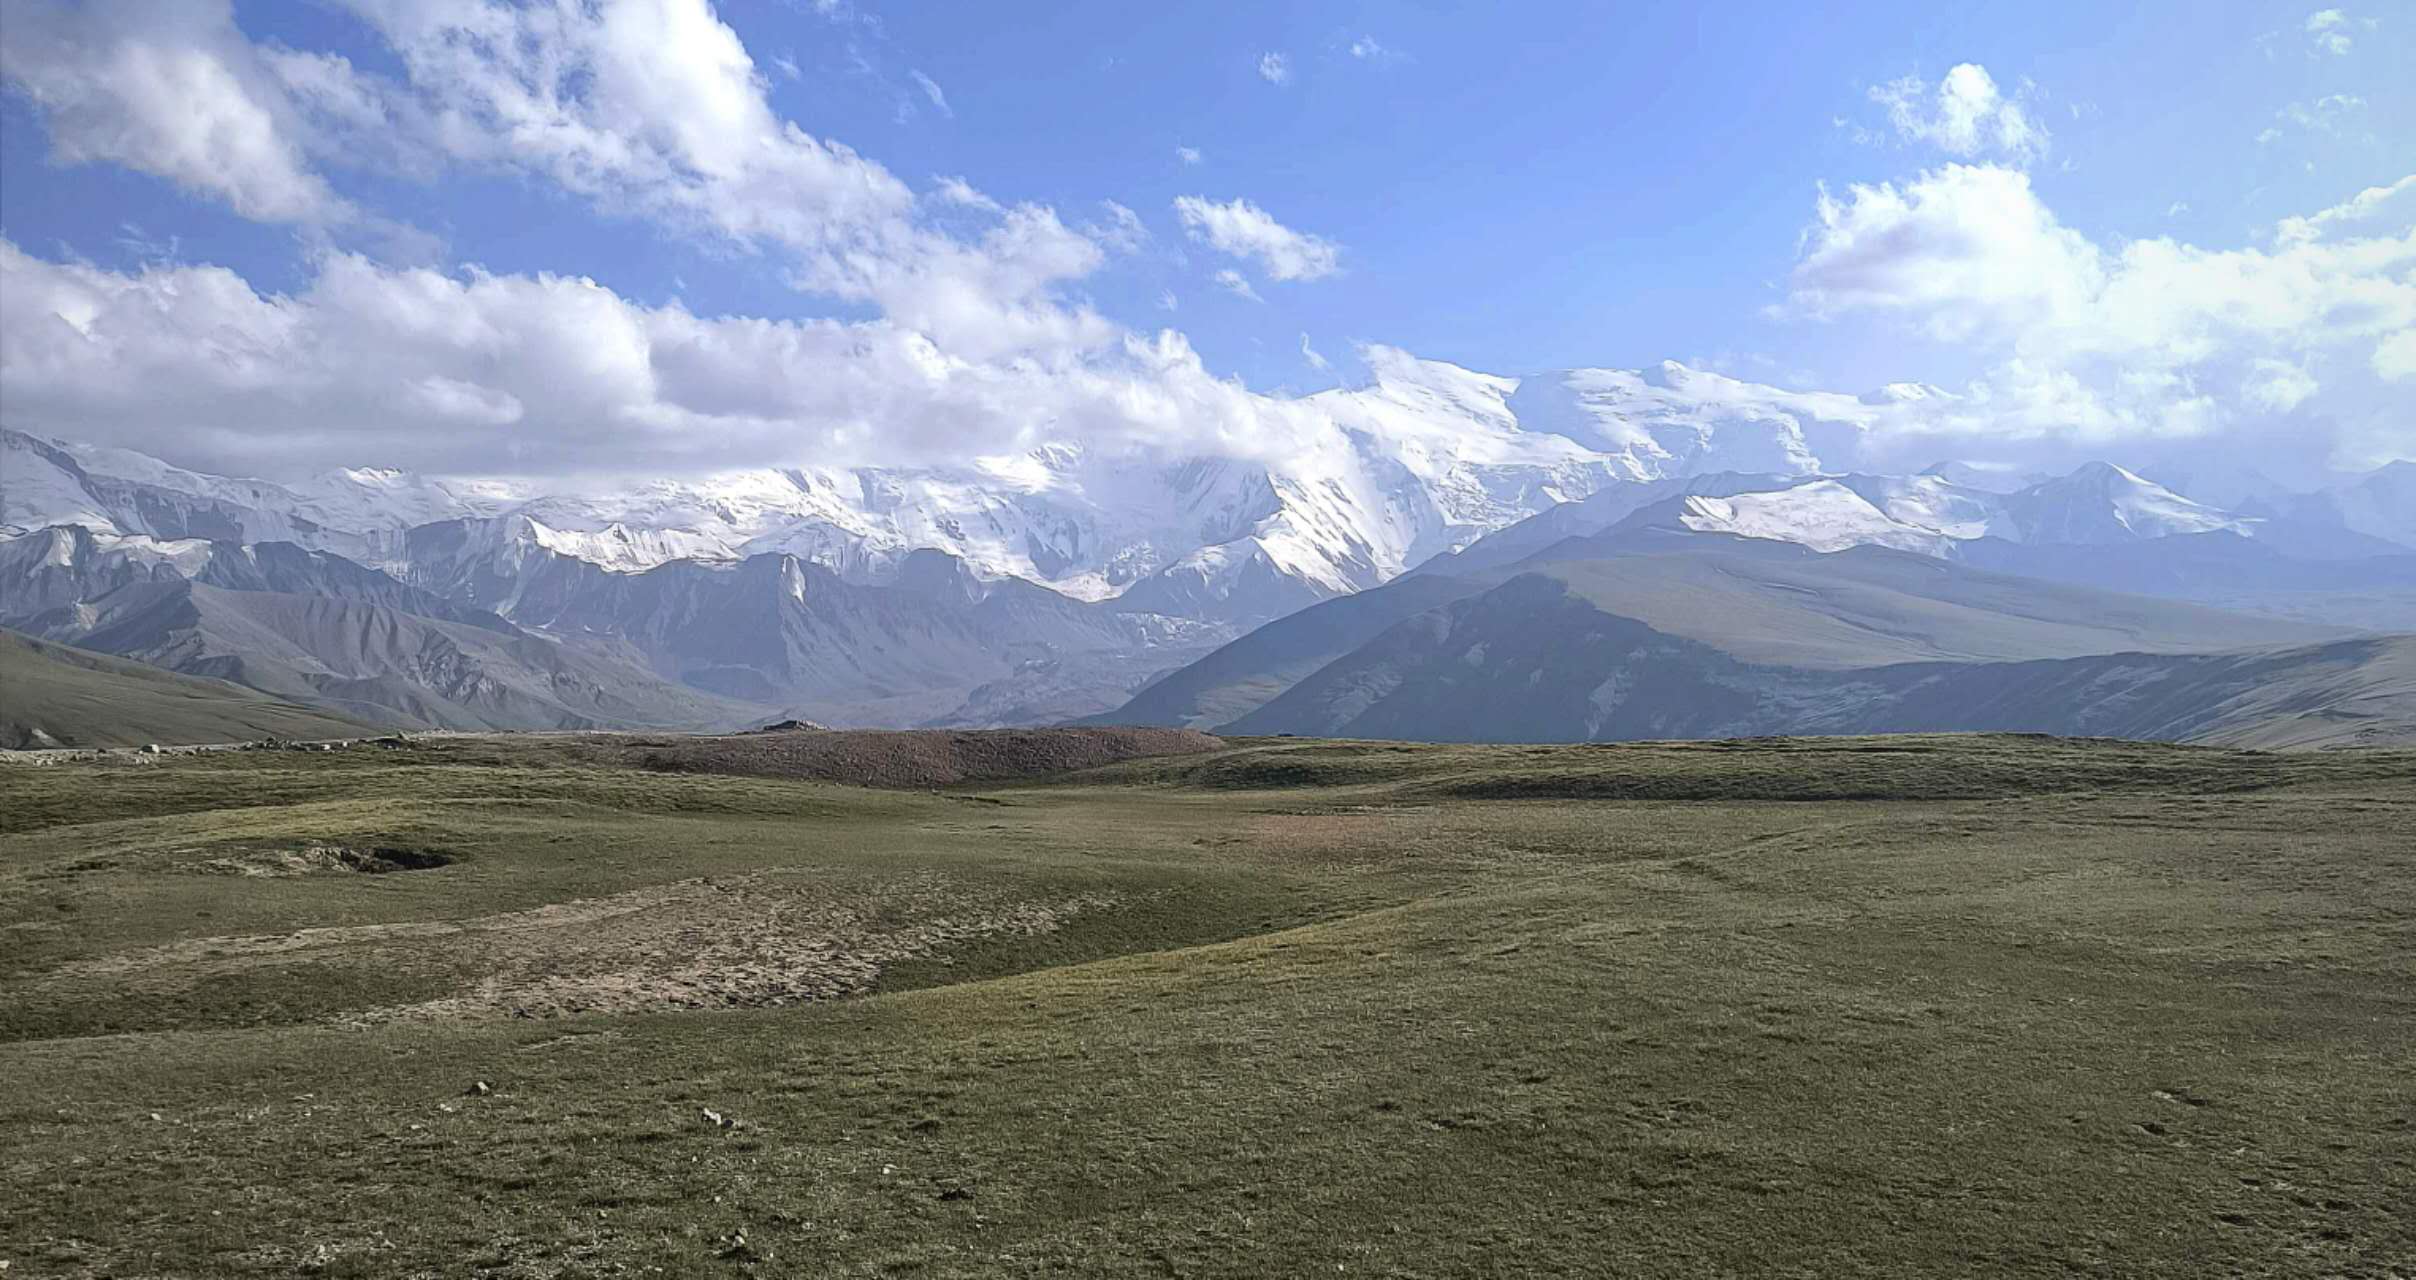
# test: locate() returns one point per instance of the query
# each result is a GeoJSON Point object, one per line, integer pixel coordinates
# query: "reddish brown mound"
{"type": "Point", "coordinates": [920, 757]}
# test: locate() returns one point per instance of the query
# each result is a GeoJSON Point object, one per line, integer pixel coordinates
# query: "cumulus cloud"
{"type": "Point", "coordinates": [2365, 204]}
{"type": "Point", "coordinates": [1243, 230]}
{"type": "Point", "coordinates": [2145, 341]}
{"type": "Point", "coordinates": [651, 108]}
{"type": "Point", "coordinates": [547, 375]}
{"type": "Point", "coordinates": [1274, 68]}
{"type": "Point", "coordinates": [177, 92]}
{"type": "Point", "coordinates": [1965, 115]}
{"type": "Point", "coordinates": [645, 109]}
{"type": "Point", "coordinates": [648, 109]}
{"type": "Point", "coordinates": [1961, 235]}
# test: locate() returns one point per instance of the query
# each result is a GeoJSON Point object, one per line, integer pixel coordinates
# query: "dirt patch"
{"type": "Point", "coordinates": [744, 949]}
{"type": "Point", "coordinates": [716, 943]}
{"type": "Point", "coordinates": [315, 859]}
{"type": "Point", "coordinates": [918, 758]}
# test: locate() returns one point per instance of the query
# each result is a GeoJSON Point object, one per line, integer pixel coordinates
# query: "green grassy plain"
{"type": "Point", "coordinates": [1918, 1006]}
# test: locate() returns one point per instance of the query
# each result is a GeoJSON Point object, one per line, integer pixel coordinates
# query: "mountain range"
{"type": "Point", "coordinates": [1065, 583]}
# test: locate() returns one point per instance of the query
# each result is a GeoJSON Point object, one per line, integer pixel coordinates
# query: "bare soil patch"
{"type": "Point", "coordinates": [705, 943]}
{"type": "Point", "coordinates": [313, 859]}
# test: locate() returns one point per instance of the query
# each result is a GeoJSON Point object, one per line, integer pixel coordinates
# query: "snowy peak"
{"type": "Point", "coordinates": [1439, 390]}
{"type": "Point", "coordinates": [2096, 505]}
{"type": "Point", "coordinates": [363, 498]}
{"type": "Point", "coordinates": [1895, 393]}
{"type": "Point", "coordinates": [1824, 515]}
{"type": "Point", "coordinates": [1425, 459]}
{"type": "Point", "coordinates": [1988, 477]}
{"type": "Point", "coordinates": [2103, 503]}
{"type": "Point", "coordinates": [42, 485]}
{"type": "Point", "coordinates": [1671, 421]}
{"type": "Point", "coordinates": [1934, 504]}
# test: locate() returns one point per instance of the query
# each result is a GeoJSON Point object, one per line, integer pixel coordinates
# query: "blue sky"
{"type": "Point", "coordinates": [1510, 187]}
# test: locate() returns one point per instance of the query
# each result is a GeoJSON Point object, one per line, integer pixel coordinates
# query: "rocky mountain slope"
{"type": "Point", "coordinates": [1754, 599]}
{"type": "Point", "coordinates": [1537, 660]}
{"type": "Point", "coordinates": [314, 628]}
{"type": "Point", "coordinates": [58, 696]}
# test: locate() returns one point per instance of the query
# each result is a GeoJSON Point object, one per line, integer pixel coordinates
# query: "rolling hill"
{"type": "Point", "coordinates": [54, 695]}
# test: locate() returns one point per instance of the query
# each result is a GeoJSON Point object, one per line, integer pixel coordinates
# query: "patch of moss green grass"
{"type": "Point", "coordinates": [1906, 1007]}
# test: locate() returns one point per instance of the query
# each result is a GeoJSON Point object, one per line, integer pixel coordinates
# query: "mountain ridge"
{"type": "Point", "coordinates": [1534, 661]}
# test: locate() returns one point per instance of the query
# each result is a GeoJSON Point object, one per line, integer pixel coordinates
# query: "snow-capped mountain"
{"type": "Point", "coordinates": [1824, 515]}
{"type": "Point", "coordinates": [2101, 503]}
{"type": "Point", "coordinates": [359, 514]}
{"type": "Point", "coordinates": [2102, 526]}
{"type": "Point", "coordinates": [1671, 421]}
{"type": "Point", "coordinates": [1055, 581]}
{"type": "Point", "coordinates": [2098, 505]}
{"type": "Point", "coordinates": [1424, 459]}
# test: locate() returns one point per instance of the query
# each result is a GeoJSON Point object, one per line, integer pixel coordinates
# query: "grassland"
{"type": "Point", "coordinates": [1911, 1006]}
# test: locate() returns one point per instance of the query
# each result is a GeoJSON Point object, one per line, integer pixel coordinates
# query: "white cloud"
{"type": "Point", "coordinates": [2327, 114]}
{"type": "Point", "coordinates": [1310, 354]}
{"type": "Point", "coordinates": [1959, 236]}
{"type": "Point", "coordinates": [646, 108]}
{"type": "Point", "coordinates": [931, 90]}
{"type": "Point", "coordinates": [2357, 208]}
{"type": "Point", "coordinates": [2326, 28]}
{"type": "Point", "coordinates": [957, 191]}
{"type": "Point", "coordinates": [2277, 386]}
{"type": "Point", "coordinates": [1966, 115]}
{"type": "Point", "coordinates": [2149, 340]}
{"type": "Point", "coordinates": [1188, 155]}
{"type": "Point", "coordinates": [174, 91]}
{"type": "Point", "coordinates": [651, 108]}
{"type": "Point", "coordinates": [2395, 357]}
{"type": "Point", "coordinates": [1168, 302]}
{"type": "Point", "coordinates": [1235, 283]}
{"type": "Point", "coordinates": [1243, 230]}
{"type": "Point", "coordinates": [547, 375]}
{"type": "Point", "coordinates": [1274, 68]}
{"type": "Point", "coordinates": [2176, 208]}
{"type": "Point", "coordinates": [1369, 49]}
{"type": "Point", "coordinates": [1121, 232]}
